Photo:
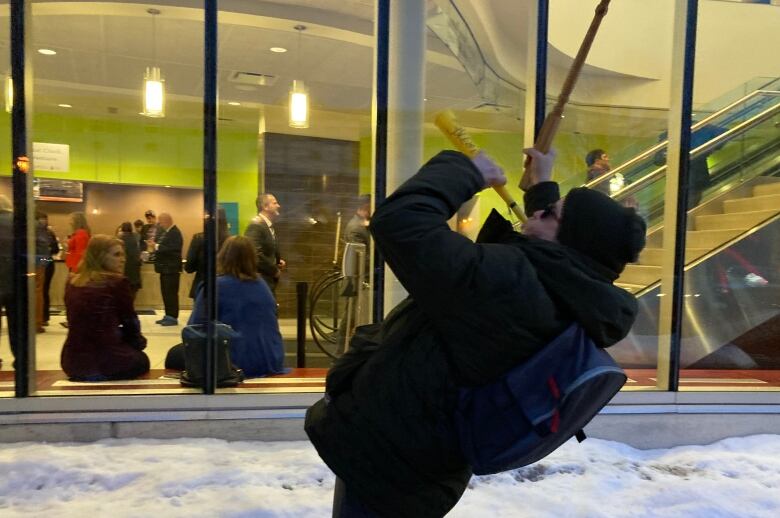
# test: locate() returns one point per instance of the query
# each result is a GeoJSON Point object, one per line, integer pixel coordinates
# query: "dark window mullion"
{"type": "Point", "coordinates": [380, 141]}
{"type": "Point", "coordinates": [21, 190]}
{"type": "Point", "coordinates": [678, 286]}
{"type": "Point", "coordinates": [210, 190]}
{"type": "Point", "coordinates": [540, 91]}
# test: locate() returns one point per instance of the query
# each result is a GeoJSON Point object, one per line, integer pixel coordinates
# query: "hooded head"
{"type": "Point", "coordinates": [601, 228]}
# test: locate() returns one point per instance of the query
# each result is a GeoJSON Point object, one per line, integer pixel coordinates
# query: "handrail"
{"type": "Point", "coordinates": [653, 150]}
{"type": "Point", "coordinates": [718, 249]}
{"type": "Point", "coordinates": [714, 142]}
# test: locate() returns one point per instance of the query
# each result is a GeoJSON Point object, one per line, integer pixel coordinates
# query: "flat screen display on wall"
{"type": "Point", "coordinates": [47, 189]}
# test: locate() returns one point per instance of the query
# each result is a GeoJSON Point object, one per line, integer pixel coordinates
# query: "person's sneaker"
{"type": "Point", "coordinates": [754, 281]}
{"type": "Point", "coordinates": [169, 321]}
{"type": "Point", "coordinates": [161, 320]}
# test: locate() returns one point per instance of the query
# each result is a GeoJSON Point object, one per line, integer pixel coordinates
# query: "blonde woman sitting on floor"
{"type": "Point", "coordinates": [104, 335]}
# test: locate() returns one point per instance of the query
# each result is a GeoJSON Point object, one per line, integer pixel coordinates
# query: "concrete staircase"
{"type": "Point", "coordinates": [710, 230]}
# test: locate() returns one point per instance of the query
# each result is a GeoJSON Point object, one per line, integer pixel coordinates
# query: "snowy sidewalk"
{"type": "Point", "coordinates": [212, 478]}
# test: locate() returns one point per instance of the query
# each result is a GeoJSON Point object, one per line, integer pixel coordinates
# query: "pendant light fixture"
{"type": "Point", "coordinates": [9, 93]}
{"type": "Point", "coordinates": [299, 97]}
{"type": "Point", "coordinates": [154, 84]}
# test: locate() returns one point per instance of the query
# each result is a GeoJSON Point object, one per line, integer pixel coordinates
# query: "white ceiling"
{"type": "Point", "coordinates": [103, 49]}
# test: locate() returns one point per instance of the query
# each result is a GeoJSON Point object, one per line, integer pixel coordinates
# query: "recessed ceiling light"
{"type": "Point", "coordinates": [47, 52]}
{"type": "Point", "coordinates": [234, 103]}
{"type": "Point", "coordinates": [278, 49]}
{"type": "Point", "coordinates": [63, 105]}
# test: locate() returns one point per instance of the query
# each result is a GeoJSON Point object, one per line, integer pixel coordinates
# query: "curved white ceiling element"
{"type": "Point", "coordinates": [630, 61]}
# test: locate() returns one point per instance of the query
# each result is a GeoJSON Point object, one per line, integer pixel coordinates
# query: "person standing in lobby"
{"type": "Point", "coordinates": [132, 257]}
{"type": "Point", "coordinates": [196, 259]}
{"type": "Point", "coordinates": [167, 247]}
{"type": "Point", "coordinates": [149, 229]}
{"type": "Point", "coordinates": [261, 233]}
{"type": "Point", "coordinates": [42, 260]}
{"type": "Point", "coordinates": [77, 241]}
{"type": "Point", "coordinates": [54, 249]}
{"type": "Point", "coordinates": [6, 269]}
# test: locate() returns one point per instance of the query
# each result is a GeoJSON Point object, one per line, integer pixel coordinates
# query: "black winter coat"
{"type": "Point", "coordinates": [132, 259]}
{"type": "Point", "coordinates": [167, 258]}
{"type": "Point", "coordinates": [475, 311]}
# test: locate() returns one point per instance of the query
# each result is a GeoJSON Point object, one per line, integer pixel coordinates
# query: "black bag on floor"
{"type": "Point", "coordinates": [194, 340]}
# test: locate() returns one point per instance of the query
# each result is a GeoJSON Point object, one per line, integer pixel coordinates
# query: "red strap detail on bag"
{"type": "Point", "coordinates": [553, 387]}
{"type": "Point", "coordinates": [555, 421]}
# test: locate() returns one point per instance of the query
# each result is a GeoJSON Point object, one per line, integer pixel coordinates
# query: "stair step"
{"type": "Point", "coordinates": [734, 220]}
{"type": "Point", "coordinates": [754, 203]}
{"type": "Point", "coordinates": [640, 275]}
{"type": "Point", "coordinates": [631, 288]}
{"type": "Point", "coordinates": [709, 238]}
{"type": "Point", "coordinates": [654, 256]}
{"type": "Point", "coordinates": [766, 188]}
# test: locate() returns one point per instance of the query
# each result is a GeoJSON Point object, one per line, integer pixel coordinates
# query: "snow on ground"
{"type": "Point", "coordinates": [194, 478]}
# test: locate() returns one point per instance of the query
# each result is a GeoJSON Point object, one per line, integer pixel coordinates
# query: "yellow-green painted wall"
{"type": "Point", "coordinates": [155, 153]}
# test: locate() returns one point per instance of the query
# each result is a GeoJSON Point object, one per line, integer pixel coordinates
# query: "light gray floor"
{"type": "Point", "coordinates": [48, 345]}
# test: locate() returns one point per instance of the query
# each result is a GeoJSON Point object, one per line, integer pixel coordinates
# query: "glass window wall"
{"type": "Point", "coordinates": [295, 180]}
{"type": "Point", "coordinates": [118, 162]}
{"type": "Point", "coordinates": [610, 140]}
{"type": "Point", "coordinates": [117, 151]}
{"type": "Point", "coordinates": [731, 317]}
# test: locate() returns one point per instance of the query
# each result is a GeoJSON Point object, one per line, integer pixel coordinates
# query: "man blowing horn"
{"type": "Point", "coordinates": [474, 311]}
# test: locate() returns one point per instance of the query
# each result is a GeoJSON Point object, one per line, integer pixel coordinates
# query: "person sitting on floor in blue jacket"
{"type": "Point", "coordinates": [246, 304]}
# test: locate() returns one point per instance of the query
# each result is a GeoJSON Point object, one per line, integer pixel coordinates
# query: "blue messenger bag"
{"type": "Point", "coordinates": [537, 406]}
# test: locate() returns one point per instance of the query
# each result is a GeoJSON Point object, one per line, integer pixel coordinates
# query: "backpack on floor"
{"type": "Point", "coordinates": [194, 341]}
{"type": "Point", "coordinates": [537, 406]}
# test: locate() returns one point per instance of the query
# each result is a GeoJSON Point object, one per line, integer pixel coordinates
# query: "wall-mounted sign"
{"type": "Point", "coordinates": [48, 189]}
{"type": "Point", "coordinates": [51, 157]}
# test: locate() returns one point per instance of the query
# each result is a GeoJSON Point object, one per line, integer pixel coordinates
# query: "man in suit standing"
{"type": "Point", "coordinates": [167, 246]}
{"type": "Point", "coordinates": [263, 236]}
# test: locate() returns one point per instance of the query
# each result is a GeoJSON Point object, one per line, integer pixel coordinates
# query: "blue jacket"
{"type": "Point", "coordinates": [250, 309]}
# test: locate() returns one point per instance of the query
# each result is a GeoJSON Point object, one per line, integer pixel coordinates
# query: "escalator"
{"type": "Point", "coordinates": [732, 271]}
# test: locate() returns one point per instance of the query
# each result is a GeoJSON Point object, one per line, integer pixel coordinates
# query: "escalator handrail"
{"type": "Point", "coordinates": [699, 260]}
{"type": "Point", "coordinates": [661, 145]}
{"type": "Point", "coordinates": [707, 146]}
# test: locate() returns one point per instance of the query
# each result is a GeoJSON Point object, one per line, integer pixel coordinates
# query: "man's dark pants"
{"type": "Point", "coordinates": [169, 286]}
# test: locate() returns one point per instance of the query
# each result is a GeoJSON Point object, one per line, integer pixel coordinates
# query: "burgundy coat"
{"type": "Point", "coordinates": [104, 334]}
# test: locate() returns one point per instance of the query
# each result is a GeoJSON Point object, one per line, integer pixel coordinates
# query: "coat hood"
{"type": "Point", "coordinates": [578, 285]}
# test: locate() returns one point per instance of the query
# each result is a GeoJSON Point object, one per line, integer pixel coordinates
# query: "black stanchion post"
{"type": "Point", "coordinates": [302, 289]}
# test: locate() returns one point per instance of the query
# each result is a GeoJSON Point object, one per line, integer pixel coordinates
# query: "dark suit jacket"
{"type": "Point", "coordinates": [195, 262]}
{"type": "Point", "coordinates": [266, 249]}
{"type": "Point", "coordinates": [167, 259]}
{"type": "Point", "coordinates": [132, 258]}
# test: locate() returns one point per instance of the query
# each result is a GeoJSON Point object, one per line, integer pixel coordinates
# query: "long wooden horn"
{"type": "Point", "coordinates": [460, 138]}
{"type": "Point", "coordinates": [553, 119]}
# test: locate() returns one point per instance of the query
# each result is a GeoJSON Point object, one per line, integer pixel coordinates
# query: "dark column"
{"type": "Point", "coordinates": [210, 190]}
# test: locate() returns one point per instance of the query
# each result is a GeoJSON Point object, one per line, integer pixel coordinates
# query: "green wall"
{"type": "Point", "coordinates": [154, 153]}
{"type": "Point", "coordinates": [159, 152]}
